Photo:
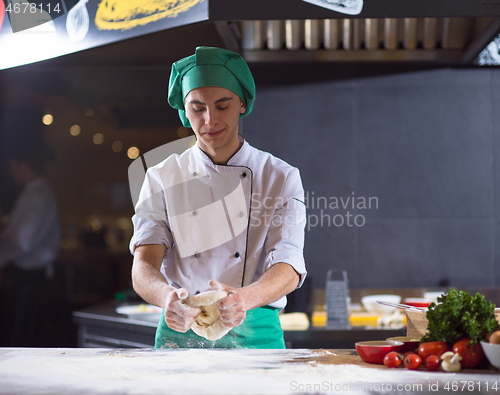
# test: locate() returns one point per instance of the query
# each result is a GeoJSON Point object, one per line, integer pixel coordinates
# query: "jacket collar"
{"type": "Point", "coordinates": [237, 158]}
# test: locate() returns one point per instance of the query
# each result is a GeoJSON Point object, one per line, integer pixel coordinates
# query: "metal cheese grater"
{"type": "Point", "coordinates": [337, 298]}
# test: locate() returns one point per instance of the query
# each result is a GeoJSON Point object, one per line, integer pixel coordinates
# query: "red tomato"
{"type": "Point", "coordinates": [432, 362]}
{"type": "Point", "coordinates": [432, 348]}
{"type": "Point", "coordinates": [392, 360]}
{"type": "Point", "coordinates": [407, 353]}
{"type": "Point", "coordinates": [471, 355]}
{"type": "Point", "coordinates": [412, 362]}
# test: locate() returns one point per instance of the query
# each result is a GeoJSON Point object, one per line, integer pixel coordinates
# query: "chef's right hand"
{"type": "Point", "coordinates": [179, 316]}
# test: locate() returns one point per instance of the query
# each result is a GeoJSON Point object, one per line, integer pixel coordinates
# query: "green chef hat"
{"type": "Point", "coordinates": [210, 66]}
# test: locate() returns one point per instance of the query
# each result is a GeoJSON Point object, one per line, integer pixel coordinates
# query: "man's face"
{"type": "Point", "coordinates": [214, 113]}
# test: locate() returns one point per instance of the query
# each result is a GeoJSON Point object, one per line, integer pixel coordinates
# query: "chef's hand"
{"type": "Point", "coordinates": [232, 308]}
{"type": "Point", "coordinates": [179, 316]}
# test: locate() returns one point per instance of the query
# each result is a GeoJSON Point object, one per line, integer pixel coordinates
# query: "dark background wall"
{"type": "Point", "coordinates": [425, 144]}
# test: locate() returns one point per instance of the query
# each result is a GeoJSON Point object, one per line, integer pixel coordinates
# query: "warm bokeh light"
{"type": "Point", "coordinates": [89, 112]}
{"type": "Point", "coordinates": [117, 146]}
{"type": "Point", "coordinates": [96, 225]}
{"type": "Point", "coordinates": [123, 223]}
{"type": "Point", "coordinates": [133, 152]}
{"type": "Point", "coordinates": [98, 138]}
{"type": "Point", "coordinates": [75, 130]}
{"type": "Point", "coordinates": [47, 119]}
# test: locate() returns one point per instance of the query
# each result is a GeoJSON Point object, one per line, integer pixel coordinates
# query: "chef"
{"type": "Point", "coordinates": [222, 215]}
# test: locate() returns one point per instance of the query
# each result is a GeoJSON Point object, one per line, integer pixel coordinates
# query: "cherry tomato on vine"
{"type": "Point", "coordinates": [392, 360]}
{"type": "Point", "coordinates": [432, 362]}
{"type": "Point", "coordinates": [412, 362]}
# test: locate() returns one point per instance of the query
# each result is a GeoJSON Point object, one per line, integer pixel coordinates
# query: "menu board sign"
{"type": "Point", "coordinates": [35, 30]}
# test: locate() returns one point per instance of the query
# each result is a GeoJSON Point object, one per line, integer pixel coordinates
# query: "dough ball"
{"type": "Point", "coordinates": [208, 323]}
{"type": "Point", "coordinates": [205, 298]}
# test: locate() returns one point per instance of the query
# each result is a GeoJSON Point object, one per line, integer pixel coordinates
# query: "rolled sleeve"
{"type": "Point", "coordinates": [150, 232]}
{"type": "Point", "coordinates": [150, 219]}
{"type": "Point", "coordinates": [285, 240]}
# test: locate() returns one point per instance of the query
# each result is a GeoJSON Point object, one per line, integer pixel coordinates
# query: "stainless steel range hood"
{"type": "Point", "coordinates": [441, 40]}
{"type": "Point", "coordinates": [449, 31]}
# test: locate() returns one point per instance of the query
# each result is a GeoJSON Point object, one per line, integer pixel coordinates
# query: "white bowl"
{"type": "Point", "coordinates": [492, 352]}
{"type": "Point", "coordinates": [433, 296]}
{"type": "Point", "coordinates": [141, 312]}
{"type": "Point", "coordinates": [370, 303]}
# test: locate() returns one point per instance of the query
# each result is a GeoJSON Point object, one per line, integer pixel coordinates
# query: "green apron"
{"type": "Point", "coordinates": [260, 329]}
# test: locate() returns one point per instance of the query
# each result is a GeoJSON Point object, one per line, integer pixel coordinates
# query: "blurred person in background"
{"type": "Point", "coordinates": [29, 245]}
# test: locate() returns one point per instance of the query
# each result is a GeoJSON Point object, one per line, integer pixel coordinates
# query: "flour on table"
{"type": "Point", "coordinates": [38, 371]}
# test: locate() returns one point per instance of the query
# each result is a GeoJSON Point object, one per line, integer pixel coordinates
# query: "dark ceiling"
{"type": "Point", "coordinates": [117, 78]}
{"type": "Point", "coordinates": [126, 82]}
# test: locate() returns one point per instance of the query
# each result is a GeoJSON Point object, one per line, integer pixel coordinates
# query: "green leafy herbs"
{"type": "Point", "coordinates": [460, 315]}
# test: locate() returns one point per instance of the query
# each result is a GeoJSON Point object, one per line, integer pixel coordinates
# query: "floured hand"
{"type": "Point", "coordinates": [232, 308]}
{"type": "Point", "coordinates": [179, 316]}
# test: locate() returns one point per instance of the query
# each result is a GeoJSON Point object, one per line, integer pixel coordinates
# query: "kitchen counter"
{"type": "Point", "coordinates": [102, 326]}
{"type": "Point", "coordinates": [208, 371]}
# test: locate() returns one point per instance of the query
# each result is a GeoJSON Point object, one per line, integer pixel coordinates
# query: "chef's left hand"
{"type": "Point", "coordinates": [232, 308]}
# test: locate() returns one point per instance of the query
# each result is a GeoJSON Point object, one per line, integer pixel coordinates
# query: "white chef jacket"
{"type": "Point", "coordinates": [32, 237]}
{"type": "Point", "coordinates": [227, 222]}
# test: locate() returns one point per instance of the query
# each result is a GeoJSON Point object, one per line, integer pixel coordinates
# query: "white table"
{"type": "Point", "coordinates": [209, 371]}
